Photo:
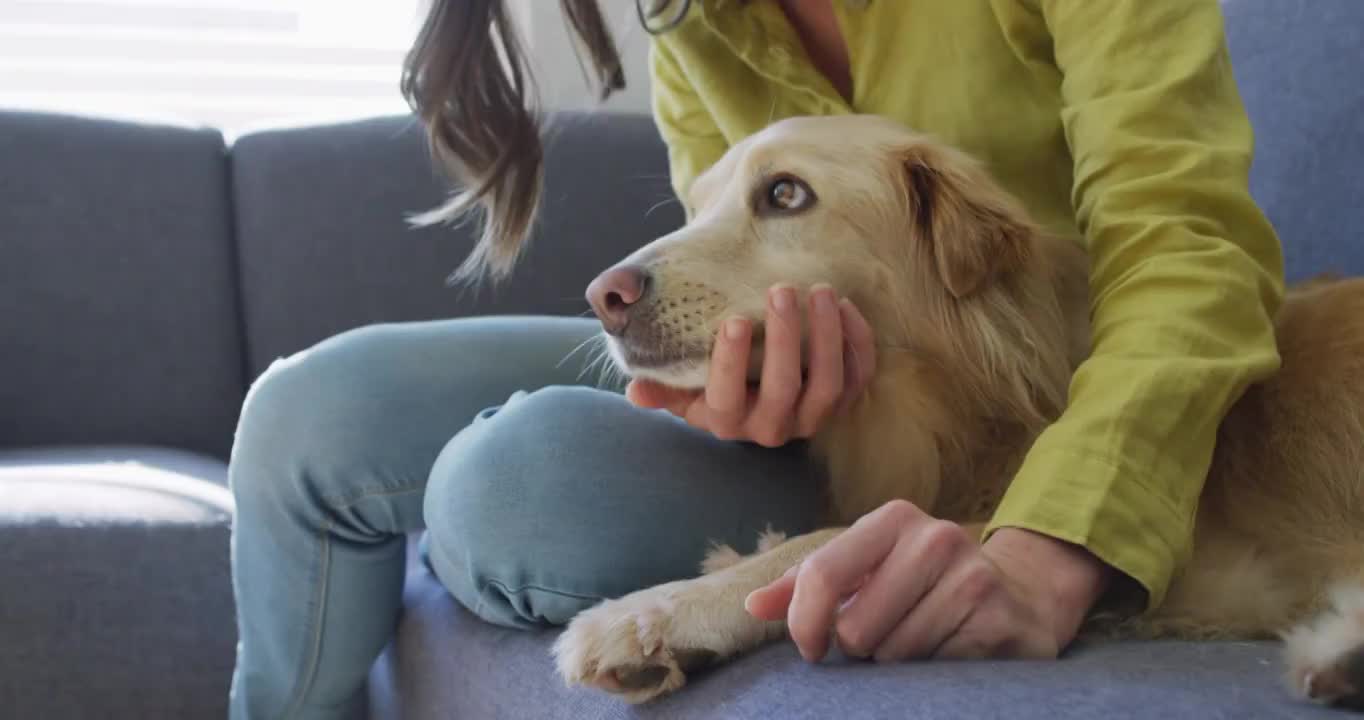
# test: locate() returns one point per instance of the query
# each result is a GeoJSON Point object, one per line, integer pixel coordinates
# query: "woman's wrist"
{"type": "Point", "coordinates": [1065, 580]}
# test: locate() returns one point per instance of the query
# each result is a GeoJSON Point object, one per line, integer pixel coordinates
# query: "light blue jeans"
{"type": "Point", "coordinates": [535, 507]}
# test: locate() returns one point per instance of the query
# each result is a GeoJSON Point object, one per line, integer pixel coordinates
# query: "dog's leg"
{"type": "Point", "coordinates": [722, 556]}
{"type": "Point", "coordinates": [642, 645]}
{"type": "Point", "coordinates": [1325, 657]}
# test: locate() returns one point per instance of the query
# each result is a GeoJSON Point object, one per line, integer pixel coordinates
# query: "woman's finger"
{"type": "Point", "coordinates": [772, 601]}
{"type": "Point", "coordinates": [769, 423]}
{"type": "Point", "coordinates": [912, 570]}
{"type": "Point", "coordinates": [697, 415]}
{"type": "Point", "coordinates": [656, 396]}
{"type": "Point", "coordinates": [939, 615]}
{"type": "Point", "coordinates": [726, 395]}
{"type": "Point", "coordinates": [861, 341]}
{"type": "Point", "coordinates": [689, 405]}
{"type": "Point", "coordinates": [1002, 626]}
{"type": "Point", "coordinates": [643, 394]}
{"type": "Point", "coordinates": [968, 643]}
{"type": "Point", "coordinates": [825, 379]}
{"type": "Point", "coordinates": [836, 570]}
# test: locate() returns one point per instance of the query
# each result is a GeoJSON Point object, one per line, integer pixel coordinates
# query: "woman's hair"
{"type": "Point", "coordinates": [468, 80]}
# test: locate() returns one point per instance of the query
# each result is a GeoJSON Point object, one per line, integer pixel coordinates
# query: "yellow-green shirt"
{"type": "Point", "coordinates": [1116, 121]}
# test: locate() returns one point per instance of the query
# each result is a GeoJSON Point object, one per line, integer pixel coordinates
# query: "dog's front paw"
{"type": "Point", "coordinates": [1326, 657]}
{"type": "Point", "coordinates": [629, 647]}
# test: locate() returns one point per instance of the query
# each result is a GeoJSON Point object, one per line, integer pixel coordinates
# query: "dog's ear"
{"type": "Point", "coordinates": [972, 229]}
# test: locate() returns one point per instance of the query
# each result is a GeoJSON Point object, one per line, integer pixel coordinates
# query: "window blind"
{"type": "Point", "coordinates": [231, 64]}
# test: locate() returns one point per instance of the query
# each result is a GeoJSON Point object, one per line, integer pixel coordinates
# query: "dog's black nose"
{"type": "Point", "coordinates": [612, 294]}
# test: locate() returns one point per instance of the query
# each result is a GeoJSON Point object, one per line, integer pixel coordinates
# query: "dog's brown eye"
{"type": "Point", "coordinates": [789, 194]}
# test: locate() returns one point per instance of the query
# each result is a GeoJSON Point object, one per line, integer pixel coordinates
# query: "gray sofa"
{"type": "Point", "coordinates": [148, 274]}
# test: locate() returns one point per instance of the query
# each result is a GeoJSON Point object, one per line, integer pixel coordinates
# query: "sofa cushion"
{"type": "Point", "coordinates": [326, 246]}
{"type": "Point", "coordinates": [1298, 64]}
{"type": "Point", "coordinates": [446, 663]}
{"type": "Point", "coordinates": [115, 591]}
{"type": "Point", "coordinates": [117, 279]}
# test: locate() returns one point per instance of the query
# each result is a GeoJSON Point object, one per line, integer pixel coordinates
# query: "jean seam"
{"type": "Point", "coordinates": [530, 586]}
{"type": "Point", "coordinates": [318, 609]}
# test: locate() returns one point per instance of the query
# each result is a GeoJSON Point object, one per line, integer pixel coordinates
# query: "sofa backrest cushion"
{"type": "Point", "coordinates": [326, 246]}
{"type": "Point", "coordinates": [1300, 67]}
{"type": "Point", "coordinates": [120, 320]}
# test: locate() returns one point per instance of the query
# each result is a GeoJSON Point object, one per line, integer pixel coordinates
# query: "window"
{"type": "Point", "coordinates": [238, 64]}
{"type": "Point", "coordinates": [231, 64]}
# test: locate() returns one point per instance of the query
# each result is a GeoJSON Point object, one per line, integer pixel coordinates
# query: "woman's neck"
{"type": "Point", "coordinates": [817, 26]}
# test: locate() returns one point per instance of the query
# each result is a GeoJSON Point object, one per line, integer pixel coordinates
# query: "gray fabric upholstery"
{"type": "Point", "coordinates": [445, 663]}
{"type": "Point", "coordinates": [325, 246]}
{"type": "Point", "coordinates": [1299, 65]}
{"type": "Point", "coordinates": [117, 281]}
{"type": "Point", "coordinates": [115, 593]}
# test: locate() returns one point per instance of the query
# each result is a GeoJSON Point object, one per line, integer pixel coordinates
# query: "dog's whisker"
{"type": "Point", "coordinates": [586, 369]}
{"type": "Point", "coordinates": [600, 361]}
{"type": "Point", "coordinates": [604, 375]}
{"type": "Point", "coordinates": [576, 348]}
{"type": "Point", "coordinates": [605, 371]}
{"type": "Point", "coordinates": [661, 203]}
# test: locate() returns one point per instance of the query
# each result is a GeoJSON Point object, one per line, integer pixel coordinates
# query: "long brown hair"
{"type": "Point", "coordinates": [468, 79]}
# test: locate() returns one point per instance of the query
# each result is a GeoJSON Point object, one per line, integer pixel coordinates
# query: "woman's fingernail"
{"type": "Point", "coordinates": [823, 299]}
{"type": "Point", "coordinates": [783, 299]}
{"type": "Point", "coordinates": [734, 329]}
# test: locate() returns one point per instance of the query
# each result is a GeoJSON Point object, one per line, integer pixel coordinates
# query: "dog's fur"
{"type": "Point", "coordinates": [980, 319]}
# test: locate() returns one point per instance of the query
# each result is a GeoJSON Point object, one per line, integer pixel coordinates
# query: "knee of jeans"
{"type": "Point", "coordinates": [492, 477]}
{"type": "Point", "coordinates": [565, 496]}
{"type": "Point", "coordinates": [299, 417]}
{"type": "Point", "coordinates": [502, 490]}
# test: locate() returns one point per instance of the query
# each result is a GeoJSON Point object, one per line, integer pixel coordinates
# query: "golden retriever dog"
{"type": "Point", "coordinates": [979, 319]}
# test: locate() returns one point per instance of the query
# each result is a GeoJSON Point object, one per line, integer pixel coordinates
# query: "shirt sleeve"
{"type": "Point", "coordinates": [694, 141]}
{"type": "Point", "coordinates": [1186, 277]}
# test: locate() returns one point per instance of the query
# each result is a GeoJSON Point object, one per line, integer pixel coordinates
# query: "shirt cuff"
{"type": "Point", "coordinates": [1113, 512]}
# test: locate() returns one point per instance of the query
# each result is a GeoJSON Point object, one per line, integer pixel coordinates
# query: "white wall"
{"type": "Point", "coordinates": [562, 83]}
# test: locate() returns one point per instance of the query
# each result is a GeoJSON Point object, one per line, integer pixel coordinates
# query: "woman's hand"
{"type": "Point", "coordinates": [924, 588]}
{"type": "Point", "coordinates": [842, 360]}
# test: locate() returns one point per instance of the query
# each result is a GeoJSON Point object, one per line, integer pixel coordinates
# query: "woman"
{"type": "Point", "coordinates": [1118, 122]}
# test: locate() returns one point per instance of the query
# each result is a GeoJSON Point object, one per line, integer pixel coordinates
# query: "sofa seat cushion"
{"type": "Point", "coordinates": [115, 592]}
{"type": "Point", "coordinates": [446, 663]}
{"type": "Point", "coordinates": [113, 486]}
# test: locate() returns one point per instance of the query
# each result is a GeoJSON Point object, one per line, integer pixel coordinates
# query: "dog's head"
{"type": "Point", "coordinates": [915, 233]}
